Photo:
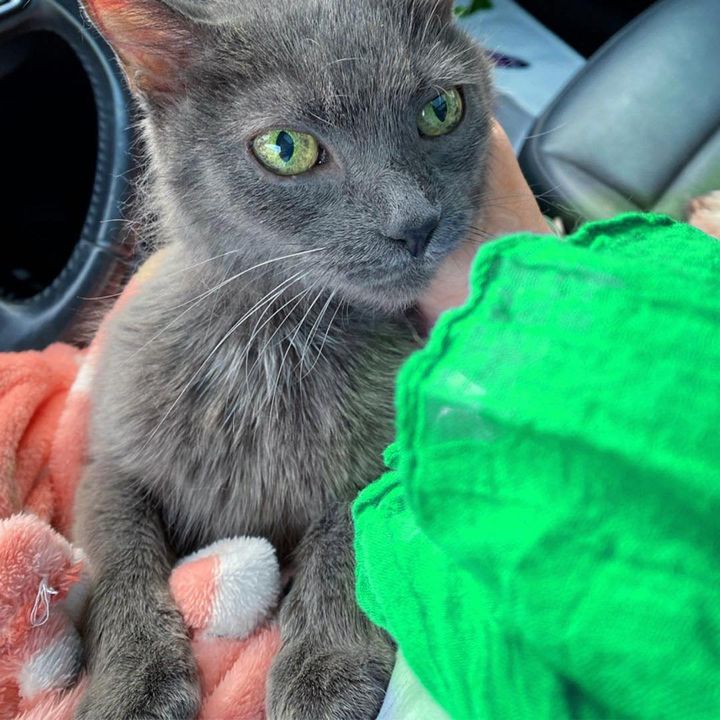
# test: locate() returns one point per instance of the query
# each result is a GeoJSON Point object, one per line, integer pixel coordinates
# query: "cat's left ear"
{"type": "Point", "coordinates": [154, 43]}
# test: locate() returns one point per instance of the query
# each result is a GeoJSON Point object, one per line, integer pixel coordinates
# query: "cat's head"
{"type": "Point", "coordinates": [353, 129]}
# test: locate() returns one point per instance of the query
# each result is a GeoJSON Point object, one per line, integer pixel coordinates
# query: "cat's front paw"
{"type": "Point", "coordinates": [346, 683]}
{"type": "Point", "coordinates": [149, 688]}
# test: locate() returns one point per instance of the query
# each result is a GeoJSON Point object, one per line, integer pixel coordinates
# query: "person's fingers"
{"type": "Point", "coordinates": [704, 213]}
{"type": "Point", "coordinates": [449, 287]}
{"type": "Point", "coordinates": [509, 207]}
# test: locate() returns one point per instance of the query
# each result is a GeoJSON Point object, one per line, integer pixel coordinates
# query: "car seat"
{"type": "Point", "coordinates": [638, 128]}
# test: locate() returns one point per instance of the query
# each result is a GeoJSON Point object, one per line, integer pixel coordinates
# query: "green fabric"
{"type": "Point", "coordinates": [546, 544]}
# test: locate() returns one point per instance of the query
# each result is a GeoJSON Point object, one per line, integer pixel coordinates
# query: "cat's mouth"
{"type": "Point", "coordinates": [396, 286]}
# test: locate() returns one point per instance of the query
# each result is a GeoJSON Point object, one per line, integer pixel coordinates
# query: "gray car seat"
{"type": "Point", "coordinates": [639, 127]}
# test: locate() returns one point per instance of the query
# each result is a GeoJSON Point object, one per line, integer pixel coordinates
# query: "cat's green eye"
{"type": "Point", "coordinates": [442, 114]}
{"type": "Point", "coordinates": [286, 152]}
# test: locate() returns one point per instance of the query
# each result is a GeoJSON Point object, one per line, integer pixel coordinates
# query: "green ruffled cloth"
{"type": "Point", "coordinates": [546, 542]}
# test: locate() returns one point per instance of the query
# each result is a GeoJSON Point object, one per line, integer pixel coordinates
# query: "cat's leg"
{"type": "Point", "coordinates": [139, 657]}
{"type": "Point", "coordinates": [333, 664]}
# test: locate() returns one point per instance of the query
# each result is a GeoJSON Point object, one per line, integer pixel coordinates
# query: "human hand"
{"type": "Point", "coordinates": [509, 207]}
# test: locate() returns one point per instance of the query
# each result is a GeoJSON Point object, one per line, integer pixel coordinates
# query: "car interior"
{"type": "Point", "coordinates": [612, 106]}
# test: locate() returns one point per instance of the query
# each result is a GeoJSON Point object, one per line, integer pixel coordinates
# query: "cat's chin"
{"type": "Point", "coordinates": [393, 292]}
{"type": "Point", "coordinates": [384, 298]}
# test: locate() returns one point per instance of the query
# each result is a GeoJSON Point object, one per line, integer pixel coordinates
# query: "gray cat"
{"type": "Point", "coordinates": [310, 164]}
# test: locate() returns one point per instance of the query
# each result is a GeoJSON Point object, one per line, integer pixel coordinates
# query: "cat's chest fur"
{"type": "Point", "coordinates": [242, 421]}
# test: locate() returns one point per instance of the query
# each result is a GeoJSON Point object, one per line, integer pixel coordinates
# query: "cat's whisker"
{"type": "Point", "coordinates": [227, 281]}
{"type": "Point", "coordinates": [107, 221]}
{"type": "Point", "coordinates": [253, 334]}
{"type": "Point", "coordinates": [324, 340]}
{"type": "Point", "coordinates": [291, 338]}
{"type": "Point", "coordinates": [276, 293]}
{"type": "Point", "coordinates": [272, 395]}
{"type": "Point", "coordinates": [254, 267]}
{"type": "Point", "coordinates": [257, 330]}
{"type": "Point", "coordinates": [193, 302]}
{"type": "Point", "coordinates": [100, 297]}
{"type": "Point", "coordinates": [313, 331]}
{"type": "Point", "coordinates": [297, 299]}
{"type": "Point", "coordinates": [210, 355]}
{"type": "Point", "coordinates": [267, 301]}
{"type": "Point", "coordinates": [342, 60]}
{"type": "Point", "coordinates": [327, 329]}
{"type": "Point", "coordinates": [202, 262]}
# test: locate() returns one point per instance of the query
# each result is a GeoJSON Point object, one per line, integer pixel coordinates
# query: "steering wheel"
{"type": "Point", "coordinates": [100, 256]}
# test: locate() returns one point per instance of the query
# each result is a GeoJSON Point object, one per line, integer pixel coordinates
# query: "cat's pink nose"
{"type": "Point", "coordinates": [416, 234]}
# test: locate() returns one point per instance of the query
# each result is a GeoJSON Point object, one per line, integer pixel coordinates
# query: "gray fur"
{"type": "Point", "coordinates": [241, 394]}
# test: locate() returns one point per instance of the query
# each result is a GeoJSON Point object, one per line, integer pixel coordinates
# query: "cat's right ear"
{"type": "Point", "coordinates": [155, 44]}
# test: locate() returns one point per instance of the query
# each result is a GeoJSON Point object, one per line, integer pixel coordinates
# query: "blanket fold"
{"type": "Point", "coordinates": [34, 387]}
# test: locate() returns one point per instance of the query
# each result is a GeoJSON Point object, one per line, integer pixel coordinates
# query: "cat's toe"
{"type": "Point", "coordinates": [338, 684]}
